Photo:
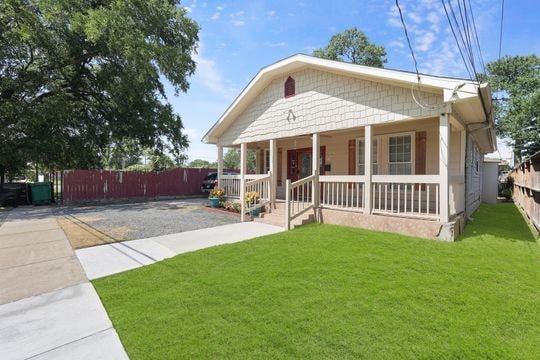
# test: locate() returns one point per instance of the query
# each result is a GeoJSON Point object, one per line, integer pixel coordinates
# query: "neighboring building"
{"type": "Point", "coordinates": [423, 141]}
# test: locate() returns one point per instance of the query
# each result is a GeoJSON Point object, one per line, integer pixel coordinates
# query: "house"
{"type": "Point", "coordinates": [369, 147]}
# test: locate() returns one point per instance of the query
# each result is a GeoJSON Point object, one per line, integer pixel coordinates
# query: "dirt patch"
{"type": "Point", "coordinates": [81, 234]}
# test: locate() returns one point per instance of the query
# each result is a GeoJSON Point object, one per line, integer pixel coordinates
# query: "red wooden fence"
{"type": "Point", "coordinates": [95, 185]}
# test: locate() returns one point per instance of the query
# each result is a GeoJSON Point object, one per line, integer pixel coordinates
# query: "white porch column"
{"type": "Point", "coordinates": [243, 157]}
{"type": "Point", "coordinates": [444, 147]}
{"type": "Point", "coordinates": [219, 165]}
{"type": "Point", "coordinates": [368, 169]}
{"type": "Point", "coordinates": [315, 157]}
{"type": "Point", "coordinates": [273, 170]}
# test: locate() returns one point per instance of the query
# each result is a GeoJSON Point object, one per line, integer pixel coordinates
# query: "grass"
{"type": "Point", "coordinates": [326, 292]}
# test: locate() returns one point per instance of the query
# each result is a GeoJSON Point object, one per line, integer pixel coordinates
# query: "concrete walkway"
{"type": "Point", "coordinates": [103, 260]}
{"type": "Point", "coordinates": [48, 309]}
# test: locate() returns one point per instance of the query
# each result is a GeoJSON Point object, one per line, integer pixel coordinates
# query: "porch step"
{"type": "Point", "coordinates": [277, 217]}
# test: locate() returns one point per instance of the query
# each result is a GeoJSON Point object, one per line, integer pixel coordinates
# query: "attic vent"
{"type": "Point", "coordinates": [289, 87]}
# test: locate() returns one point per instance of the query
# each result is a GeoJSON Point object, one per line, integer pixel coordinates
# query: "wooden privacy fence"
{"type": "Point", "coordinates": [526, 177]}
{"type": "Point", "coordinates": [98, 185]}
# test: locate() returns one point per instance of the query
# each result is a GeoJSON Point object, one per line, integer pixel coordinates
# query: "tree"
{"type": "Point", "coordinates": [353, 46]}
{"type": "Point", "coordinates": [231, 160]}
{"type": "Point", "coordinates": [77, 76]}
{"type": "Point", "coordinates": [200, 163]}
{"type": "Point", "coordinates": [515, 81]}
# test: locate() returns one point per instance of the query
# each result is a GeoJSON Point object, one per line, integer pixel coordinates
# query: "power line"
{"type": "Point", "coordinates": [408, 40]}
{"type": "Point", "coordinates": [482, 63]}
{"type": "Point", "coordinates": [467, 66]}
{"type": "Point", "coordinates": [501, 32]}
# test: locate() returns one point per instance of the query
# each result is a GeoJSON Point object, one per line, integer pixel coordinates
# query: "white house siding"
{"type": "Point", "coordinates": [473, 176]}
{"type": "Point", "coordinates": [324, 101]}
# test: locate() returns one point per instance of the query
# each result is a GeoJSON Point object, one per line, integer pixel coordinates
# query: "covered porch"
{"type": "Point", "coordinates": [416, 169]}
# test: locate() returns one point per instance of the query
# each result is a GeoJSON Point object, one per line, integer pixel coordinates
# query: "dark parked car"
{"type": "Point", "coordinates": [14, 194]}
{"type": "Point", "coordinates": [210, 181]}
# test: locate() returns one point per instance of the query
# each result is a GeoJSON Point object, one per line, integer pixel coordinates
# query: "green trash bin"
{"type": "Point", "coordinates": [41, 193]}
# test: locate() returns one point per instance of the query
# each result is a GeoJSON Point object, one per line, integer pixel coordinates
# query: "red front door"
{"type": "Point", "coordinates": [300, 164]}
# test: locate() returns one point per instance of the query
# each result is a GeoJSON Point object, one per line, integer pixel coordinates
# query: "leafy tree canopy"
{"type": "Point", "coordinates": [353, 46]}
{"type": "Point", "coordinates": [515, 81]}
{"type": "Point", "coordinates": [200, 163]}
{"type": "Point", "coordinates": [231, 160]}
{"type": "Point", "coordinates": [77, 76]}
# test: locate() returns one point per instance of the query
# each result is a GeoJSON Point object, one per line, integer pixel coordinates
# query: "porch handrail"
{"type": "Point", "coordinates": [298, 198]}
{"type": "Point", "coordinates": [261, 185]}
{"type": "Point", "coordinates": [406, 179]}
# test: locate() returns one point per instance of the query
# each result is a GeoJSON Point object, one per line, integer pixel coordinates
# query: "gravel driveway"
{"type": "Point", "coordinates": [94, 225]}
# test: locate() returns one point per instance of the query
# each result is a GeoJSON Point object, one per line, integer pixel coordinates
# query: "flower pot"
{"type": "Point", "coordinates": [255, 212]}
{"type": "Point", "coordinates": [213, 202]}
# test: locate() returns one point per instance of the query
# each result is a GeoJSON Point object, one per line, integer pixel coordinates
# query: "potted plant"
{"type": "Point", "coordinates": [215, 197]}
{"type": "Point", "coordinates": [252, 199]}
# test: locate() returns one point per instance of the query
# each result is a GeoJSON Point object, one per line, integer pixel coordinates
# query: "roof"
{"type": "Point", "coordinates": [465, 94]}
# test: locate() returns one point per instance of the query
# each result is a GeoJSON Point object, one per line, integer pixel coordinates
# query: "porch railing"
{"type": "Point", "coordinates": [261, 185]}
{"type": "Point", "coordinates": [345, 192]}
{"type": "Point", "coordinates": [231, 183]}
{"type": "Point", "coordinates": [406, 195]}
{"type": "Point", "coordinates": [298, 198]}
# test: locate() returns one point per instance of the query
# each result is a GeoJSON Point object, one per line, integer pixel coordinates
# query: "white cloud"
{"type": "Point", "coordinates": [275, 44]}
{"type": "Point", "coordinates": [220, 7]}
{"type": "Point", "coordinates": [216, 16]}
{"type": "Point", "coordinates": [423, 41]}
{"type": "Point", "coordinates": [396, 44]}
{"type": "Point", "coordinates": [417, 19]}
{"type": "Point", "coordinates": [271, 13]}
{"type": "Point", "coordinates": [208, 75]}
{"type": "Point", "coordinates": [238, 22]}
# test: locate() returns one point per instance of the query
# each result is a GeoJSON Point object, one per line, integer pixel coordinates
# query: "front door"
{"type": "Point", "coordinates": [300, 164]}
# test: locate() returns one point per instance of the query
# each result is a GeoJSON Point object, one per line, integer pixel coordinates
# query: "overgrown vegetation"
{"type": "Point", "coordinates": [324, 291]}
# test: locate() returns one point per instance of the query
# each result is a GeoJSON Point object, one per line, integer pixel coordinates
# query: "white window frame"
{"type": "Point", "coordinates": [412, 134]}
{"type": "Point", "coordinates": [377, 159]}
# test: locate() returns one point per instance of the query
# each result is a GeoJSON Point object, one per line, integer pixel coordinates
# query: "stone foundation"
{"type": "Point", "coordinates": [428, 229]}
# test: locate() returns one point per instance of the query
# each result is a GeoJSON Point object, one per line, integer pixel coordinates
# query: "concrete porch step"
{"type": "Point", "coordinates": [277, 217]}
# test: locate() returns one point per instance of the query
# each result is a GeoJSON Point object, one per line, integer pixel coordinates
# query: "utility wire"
{"type": "Point", "coordinates": [501, 32]}
{"type": "Point", "coordinates": [408, 41]}
{"type": "Point", "coordinates": [456, 38]}
{"type": "Point", "coordinates": [482, 63]}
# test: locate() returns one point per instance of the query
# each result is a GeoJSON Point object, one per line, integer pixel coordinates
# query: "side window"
{"type": "Point", "coordinates": [266, 161]}
{"type": "Point", "coordinates": [360, 165]}
{"type": "Point", "coordinates": [289, 87]}
{"type": "Point", "coordinates": [400, 155]}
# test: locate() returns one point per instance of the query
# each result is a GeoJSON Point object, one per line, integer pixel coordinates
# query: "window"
{"type": "Point", "coordinates": [266, 161]}
{"type": "Point", "coordinates": [360, 145]}
{"type": "Point", "coordinates": [400, 154]}
{"type": "Point", "coordinates": [289, 87]}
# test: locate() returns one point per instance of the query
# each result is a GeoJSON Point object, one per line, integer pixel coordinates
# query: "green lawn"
{"type": "Point", "coordinates": [325, 291]}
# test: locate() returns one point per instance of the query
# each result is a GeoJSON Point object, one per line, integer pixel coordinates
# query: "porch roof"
{"type": "Point", "coordinates": [470, 100]}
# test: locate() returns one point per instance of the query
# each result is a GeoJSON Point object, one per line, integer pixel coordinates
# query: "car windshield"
{"type": "Point", "coordinates": [210, 177]}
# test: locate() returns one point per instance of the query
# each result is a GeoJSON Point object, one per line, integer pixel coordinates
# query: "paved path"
{"type": "Point", "coordinates": [103, 260]}
{"type": "Point", "coordinates": [48, 308]}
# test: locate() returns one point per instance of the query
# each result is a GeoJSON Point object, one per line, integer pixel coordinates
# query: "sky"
{"type": "Point", "coordinates": [238, 38]}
